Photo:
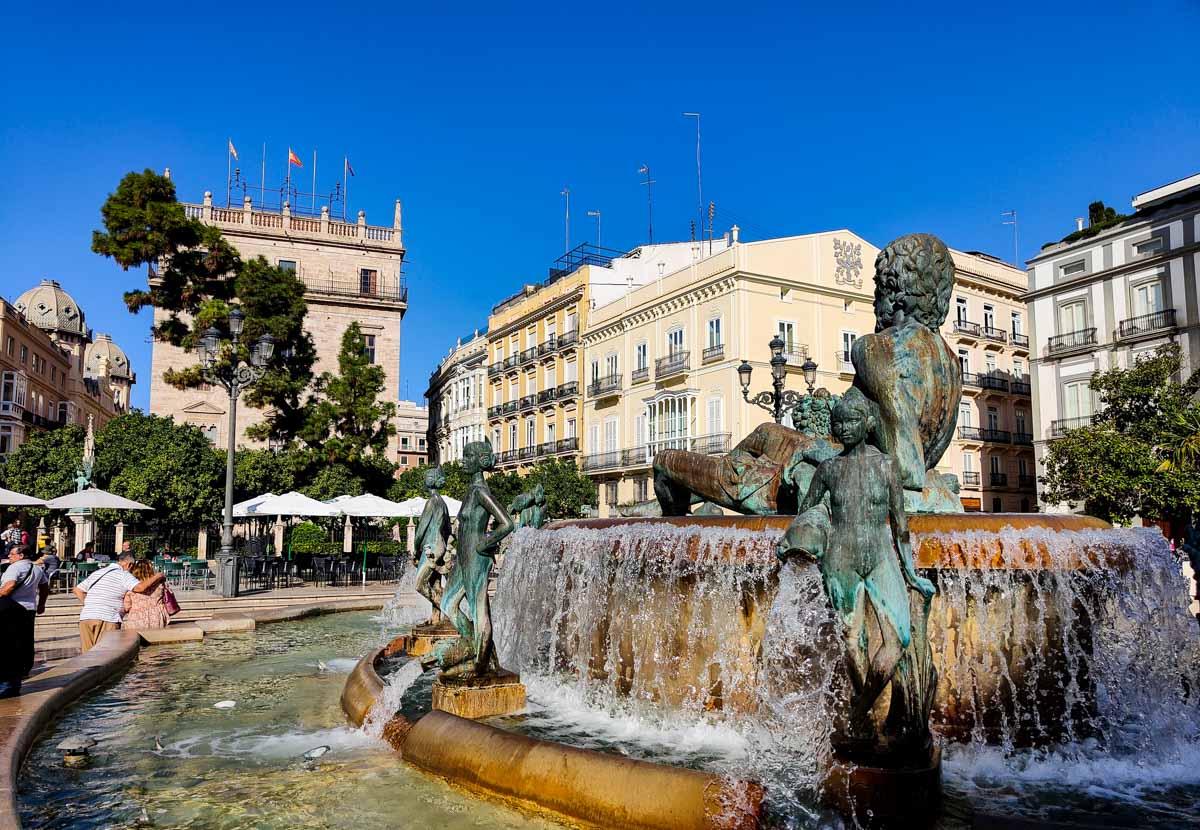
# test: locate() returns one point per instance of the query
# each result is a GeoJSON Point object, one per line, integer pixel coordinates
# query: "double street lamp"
{"type": "Point", "coordinates": [235, 375]}
{"type": "Point", "coordinates": [778, 399]}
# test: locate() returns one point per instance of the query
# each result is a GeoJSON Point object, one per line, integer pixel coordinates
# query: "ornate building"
{"type": "Point", "coordinates": [457, 412]}
{"type": "Point", "coordinates": [53, 371]}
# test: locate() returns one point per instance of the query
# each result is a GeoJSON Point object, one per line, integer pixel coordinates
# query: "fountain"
{"type": "Point", "coordinates": [857, 654]}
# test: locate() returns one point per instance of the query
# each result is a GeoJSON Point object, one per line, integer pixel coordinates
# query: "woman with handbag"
{"type": "Point", "coordinates": [149, 610]}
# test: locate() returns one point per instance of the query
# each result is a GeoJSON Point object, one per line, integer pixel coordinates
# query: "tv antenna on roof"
{"type": "Point", "coordinates": [1012, 220]}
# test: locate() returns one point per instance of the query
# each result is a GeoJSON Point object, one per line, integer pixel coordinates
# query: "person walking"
{"type": "Point", "coordinates": [144, 611]}
{"type": "Point", "coordinates": [23, 592]}
{"type": "Point", "coordinates": [103, 597]}
{"type": "Point", "coordinates": [11, 537]}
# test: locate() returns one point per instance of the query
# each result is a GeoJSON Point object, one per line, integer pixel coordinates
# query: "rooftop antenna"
{"type": "Point", "coordinates": [1012, 220]}
{"type": "Point", "coordinates": [596, 213]}
{"type": "Point", "coordinates": [566, 194]}
{"type": "Point", "coordinates": [645, 170]}
{"type": "Point", "coordinates": [699, 185]}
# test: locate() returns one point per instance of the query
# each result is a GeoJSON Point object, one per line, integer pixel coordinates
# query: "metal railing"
{"type": "Point", "coordinates": [568, 339]}
{"type": "Point", "coordinates": [495, 410]}
{"type": "Point", "coordinates": [998, 479]}
{"type": "Point", "coordinates": [397, 292]}
{"type": "Point", "coordinates": [601, 461]}
{"type": "Point", "coordinates": [639, 375]}
{"type": "Point", "coordinates": [1025, 481]}
{"type": "Point", "coordinates": [525, 453]}
{"type": "Point", "coordinates": [713, 443]}
{"type": "Point", "coordinates": [713, 353]}
{"type": "Point", "coordinates": [991, 333]}
{"type": "Point", "coordinates": [969, 433]}
{"type": "Point", "coordinates": [568, 390]}
{"type": "Point", "coordinates": [673, 363]}
{"type": "Point", "coordinates": [966, 327]}
{"type": "Point", "coordinates": [993, 381]}
{"type": "Point", "coordinates": [549, 346]}
{"type": "Point", "coordinates": [508, 406]}
{"type": "Point", "coordinates": [1020, 340]}
{"type": "Point", "coordinates": [528, 401]}
{"type": "Point", "coordinates": [970, 379]}
{"type": "Point", "coordinates": [1020, 387]}
{"type": "Point", "coordinates": [1071, 340]}
{"type": "Point", "coordinates": [996, 436]}
{"type": "Point", "coordinates": [547, 395]}
{"type": "Point", "coordinates": [605, 385]}
{"type": "Point", "coordinates": [970, 478]}
{"type": "Point", "coordinates": [1025, 439]}
{"type": "Point", "coordinates": [636, 456]}
{"type": "Point", "coordinates": [1062, 426]}
{"type": "Point", "coordinates": [529, 354]}
{"type": "Point", "coordinates": [1146, 323]}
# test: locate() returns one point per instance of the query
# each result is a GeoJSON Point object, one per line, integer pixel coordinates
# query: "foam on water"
{"type": "Point", "coordinates": [388, 703]}
{"type": "Point", "coordinates": [252, 744]}
{"type": "Point", "coordinates": [406, 608]}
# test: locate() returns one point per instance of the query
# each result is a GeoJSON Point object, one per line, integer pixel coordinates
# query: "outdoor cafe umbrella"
{"type": "Point", "coordinates": [292, 504]}
{"type": "Point", "coordinates": [370, 506]}
{"type": "Point", "coordinates": [95, 500]}
{"type": "Point", "coordinates": [241, 510]}
{"type": "Point", "coordinates": [9, 498]}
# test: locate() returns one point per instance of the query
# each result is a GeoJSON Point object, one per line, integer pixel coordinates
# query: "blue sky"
{"type": "Point", "coordinates": [884, 121]}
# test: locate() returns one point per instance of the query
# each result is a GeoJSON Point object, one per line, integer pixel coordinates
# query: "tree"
{"type": "Point", "coordinates": [332, 481]}
{"type": "Point", "coordinates": [1122, 465]}
{"type": "Point", "coordinates": [195, 275]}
{"type": "Point", "coordinates": [266, 471]}
{"type": "Point", "coordinates": [349, 425]}
{"type": "Point", "coordinates": [45, 464]}
{"type": "Point", "coordinates": [567, 489]}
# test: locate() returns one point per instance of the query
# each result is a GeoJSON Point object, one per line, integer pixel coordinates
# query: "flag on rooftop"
{"type": "Point", "coordinates": [233, 150]}
{"type": "Point", "coordinates": [294, 159]}
{"type": "Point", "coordinates": [349, 169]}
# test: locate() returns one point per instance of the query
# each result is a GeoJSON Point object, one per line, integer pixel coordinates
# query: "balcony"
{"type": "Point", "coordinates": [969, 434]}
{"type": "Point", "coordinates": [1061, 343]}
{"type": "Point", "coordinates": [496, 411]}
{"type": "Point", "coordinates": [509, 406]}
{"type": "Point", "coordinates": [601, 461]}
{"type": "Point", "coordinates": [966, 328]}
{"type": "Point", "coordinates": [1019, 341]}
{"type": "Point", "coordinates": [548, 347]}
{"type": "Point", "coordinates": [1024, 439]}
{"type": "Point", "coordinates": [1146, 324]}
{"type": "Point", "coordinates": [636, 457]}
{"type": "Point", "coordinates": [1021, 387]}
{"type": "Point", "coordinates": [998, 479]}
{"type": "Point", "coordinates": [713, 353]}
{"type": "Point", "coordinates": [639, 375]}
{"type": "Point", "coordinates": [567, 390]}
{"type": "Point", "coordinates": [996, 436]}
{"type": "Point", "coordinates": [672, 364]}
{"type": "Point", "coordinates": [992, 382]}
{"type": "Point", "coordinates": [607, 385]}
{"type": "Point", "coordinates": [1026, 482]}
{"type": "Point", "coordinates": [970, 380]}
{"type": "Point", "coordinates": [994, 334]}
{"type": "Point", "coordinates": [547, 396]}
{"type": "Point", "coordinates": [568, 339]}
{"type": "Point", "coordinates": [495, 369]}
{"type": "Point", "coordinates": [526, 453]}
{"type": "Point", "coordinates": [795, 358]}
{"type": "Point", "coordinates": [563, 445]}
{"type": "Point", "coordinates": [970, 478]}
{"type": "Point", "coordinates": [506, 456]}
{"type": "Point", "coordinates": [846, 365]}
{"type": "Point", "coordinates": [1062, 426]}
{"type": "Point", "coordinates": [528, 400]}
{"type": "Point", "coordinates": [529, 354]}
{"type": "Point", "coordinates": [712, 444]}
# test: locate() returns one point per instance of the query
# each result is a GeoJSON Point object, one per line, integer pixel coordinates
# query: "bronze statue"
{"type": "Point", "coordinates": [472, 653]}
{"type": "Point", "coordinates": [867, 570]}
{"type": "Point", "coordinates": [905, 368]}
{"type": "Point", "coordinates": [529, 508]}
{"type": "Point", "coordinates": [432, 543]}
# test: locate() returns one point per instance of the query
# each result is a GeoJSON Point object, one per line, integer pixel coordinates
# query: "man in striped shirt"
{"type": "Point", "coordinates": [103, 598]}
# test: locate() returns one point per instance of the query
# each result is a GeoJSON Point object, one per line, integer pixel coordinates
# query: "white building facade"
{"type": "Point", "coordinates": [456, 395]}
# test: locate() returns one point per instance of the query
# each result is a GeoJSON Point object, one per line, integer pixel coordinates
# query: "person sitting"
{"type": "Point", "coordinates": [50, 563]}
{"type": "Point", "coordinates": [145, 611]}
{"type": "Point", "coordinates": [103, 598]}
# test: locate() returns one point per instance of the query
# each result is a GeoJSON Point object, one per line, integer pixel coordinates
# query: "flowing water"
{"type": "Point", "coordinates": [240, 767]}
{"type": "Point", "coordinates": [653, 640]}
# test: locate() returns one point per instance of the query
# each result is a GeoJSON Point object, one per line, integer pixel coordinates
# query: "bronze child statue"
{"type": "Point", "coordinates": [432, 543]}
{"type": "Point", "coordinates": [867, 569]}
{"type": "Point", "coordinates": [530, 507]}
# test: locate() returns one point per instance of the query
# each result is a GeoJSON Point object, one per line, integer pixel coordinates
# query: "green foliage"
{"type": "Point", "coordinates": [266, 471]}
{"type": "Point", "coordinates": [333, 480]}
{"type": "Point", "coordinates": [1100, 218]}
{"type": "Point", "coordinates": [1128, 463]}
{"type": "Point", "coordinates": [567, 489]}
{"type": "Point", "coordinates": [44, 465]}
{"type": "Point", "coordinates": [171, 467]}
{"type": "Point", "coordinates": [307, 537]}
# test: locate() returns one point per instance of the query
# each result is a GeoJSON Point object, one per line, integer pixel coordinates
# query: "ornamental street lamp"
{"type": "Point", "coordinates": [235, 375]}
{"type": "Point", "coordinates": [778, 398]}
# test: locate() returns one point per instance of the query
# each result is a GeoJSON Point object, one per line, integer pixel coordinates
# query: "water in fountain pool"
{"type": "Point", "coordinates": [636, 639]}
{"type": "Point", "coordinates": [243, 767]}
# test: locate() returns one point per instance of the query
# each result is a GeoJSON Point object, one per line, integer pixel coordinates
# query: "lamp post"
{"type": "Point", "coordinates": [235, 375]}
{"type": "Point", "coordinates": [778, 398]}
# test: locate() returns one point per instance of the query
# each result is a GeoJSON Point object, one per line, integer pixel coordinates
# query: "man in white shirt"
{"type": "Point", "coordinates": [23, 591]}
{"type": "Point", "coordinates": [103, 598]}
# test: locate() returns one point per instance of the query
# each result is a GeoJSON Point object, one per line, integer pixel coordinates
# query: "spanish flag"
{"type": "Point", "coordinates": [294, 159]}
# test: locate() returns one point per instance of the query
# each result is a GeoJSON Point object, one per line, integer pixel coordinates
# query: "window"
{"type": "Point", "coordinates": [1018, 368]}
{"type": "Point", "coordinates": [1077, 399]}
{"type": "Point", "coordinates": [420, 443]}
{"type": "Point", "coordinates": [6, 440]}
{"type": "Point", "coordinates": [990, 362]}
{"type": "Point", "coordinates": [787, 333]}
{"type": "Point", "coordinates": [404, 461]}
{"type": "Point", "coordinates": [369, 349]}
{"type": "Point", "coordinates": [499, 352]}
{"type": "Point", "coordinates": [994, 465]}
{"type": "Point", "coordinates": [1072, 268]}
{"type": "Point", "coordinates": [12, 389]}
{"type": "Point", "coordinates": [1015, 322]}
{"type": "Point", "coordinates": [531, 382]}
{"type": "Point", "coordinates": [513, 392]}
{"type": "Point", "coordinates": [368, 281]}
{"type": "Point", "coordinates": [9, 346]}
{"type": "Point", "coordinates": [495, 438]}
{"type": "Point", "coordinates": [610, 493]}
{"type": "Point", "coordinates": [64, 412]}
{"type": "Point", "coordinates": [993, 418]}
{"type": "Point", "coordinates": [639, 356]}
{"type": "Point", "coordinates": [570, 428]}
{"type": "Point", "coordinates": [404, 441]}
{"type": "Point", "coordinates": [964, 415]}
{"type": "Point", "coordinates": [210, 432]}
{"type": "Point", "coordinates": [595, 369]}
{"type": "Point", "coordinates": [530, 432]}
{"type": "Point", "coordinates": [714, 333]}
{"type": "Point", "coordinates": [550, 433]}
{"type": "Point", "coordinates": [551, 329]}
{"type": "Point", "coordinates": [53, 374]}
{"type": "Point", "coordinates": [512, 435]}
{"type": "Point", "coordinates": [968, 462]}
{"type": "Point", "coordinates": [24, 355]}
{"type": "Point", "coordinates": [288, 265]}
{"type": "Point", "coordinates": [572, 321]}
{"type": "Point", "coordinates": [848, 338]}
{"type": "Point", "coordinates": [641, 489]}
{"type": "Point", "coordinates": [639, 430]}
{"type": "Point", "coordinates": [1147, 298]}
{"type": "Point", "coordinates": [610, 434]}
{"type": "Point", "coordinates": [572, 372]}
{"type": "Point", "coordinates": [674, 341]}
{"type": "Point", "coordinates": [594, 439]}
{"type": "Point", "coordinates": [551, 376]}
{"type": "Point", "coordinates": [964, 361]}
{"type": "Point", "coordinates": [960, 309]}
{"type": "Point", "coordinates": [1019, 418]}
{"type": "Point", "coordinates": [1072, 317]}
{"type": "Point", "coordinates": [989, 317]}
{"type": "Point", "coordinates": [1022, 466]}
{"type": "Point", "coordinates": [610, 364]}
{"type": "Point", "coordinates": [997, 507]}
{"type": "Point", "coordinates": [715, 407]}
{"type": "Point", "coordinates": [1146, 247]}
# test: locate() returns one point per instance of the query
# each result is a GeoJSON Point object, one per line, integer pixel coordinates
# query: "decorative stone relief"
{"type": "Point", "coordinates": [848, 256]}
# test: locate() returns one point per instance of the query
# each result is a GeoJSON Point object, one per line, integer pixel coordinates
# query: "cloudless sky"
{"type": "Point", "coordinates": [881, 119]}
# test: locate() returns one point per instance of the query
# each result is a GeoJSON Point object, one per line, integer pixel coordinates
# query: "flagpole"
{"type": "Point", "coordinates": [345, 185]}
{"type": "Point", "coordinates": [314, 193]}
{"type": "Point", "coordinates": [262, 189]}
{"type": "Point", "coordinates": [287, 187]}
{"type": "Point", "coordinates": [228, 166]}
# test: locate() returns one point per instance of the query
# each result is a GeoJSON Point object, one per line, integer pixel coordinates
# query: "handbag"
{"type": "Point", "coordinates": [170, 604]}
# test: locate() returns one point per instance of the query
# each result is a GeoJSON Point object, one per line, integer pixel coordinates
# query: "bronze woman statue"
{"type": "Point", "coordinates": [432, 538]}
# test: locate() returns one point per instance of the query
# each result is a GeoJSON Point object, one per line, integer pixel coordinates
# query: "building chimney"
{"type": "Point", "coordinates": [1078, 223]}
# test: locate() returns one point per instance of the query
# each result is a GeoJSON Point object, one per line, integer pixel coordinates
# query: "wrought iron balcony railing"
{"type": "Point", "coordinates": [1019, 340]}
{"type": "Point", "coordinates": [969, 433]}
{"type": "Point", "coordinates": [966, 327]}
{"type": "Point", "coordinates": [998, 479]}
{"type": "Point", "coordinates": [998, 335]}
{"type": "Point", "coordinates": [713, 353]}
{"type": "Point", "coordinates": [970, 478]}
{"type": "Point", "coordinates": [996, 436]}
{"type": "Point", "coordinates": [1080, 339]}
{"type": "Point", "coordinates": [568, 390]}
{"type": "Point", "coordinates": [993, 381]}
{"type": "Point", "coordinates": [672, 364]}
{"type": "Point", "coordinates": [1062, 426]}
{"type": "Point", "coordinates": [1026, 481]}
{"type": "Point", "coordinates": [1025, 439]}
{"type": "Point", "coordinates": [639, 375]}
{"type": "Point", "coordinates": [1147, 323]}
{"type": "Point", "coordinates": [604, 386]}
{"type": "Point", "coordinates": [1021, 387]}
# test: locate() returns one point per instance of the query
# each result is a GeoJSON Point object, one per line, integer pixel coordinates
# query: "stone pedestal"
{"type": "Point", "coordinates": [85, 529]}
{"type": "Point", "coordinates": [877, 795]}
{"type": "Point", "coordinates": [422, 639]}
{"type": "Point", "coordinates": [480, 697]}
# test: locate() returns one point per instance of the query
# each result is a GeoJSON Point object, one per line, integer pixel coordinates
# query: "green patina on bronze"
{"type": "Point", "coordinates": [529, 508]}
{"type": "Point", "coordinates": [432, 540]}
{"type": "Point", "coordinates": [472, 653]}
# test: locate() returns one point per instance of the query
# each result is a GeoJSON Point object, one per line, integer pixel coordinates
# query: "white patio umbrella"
{"type": "Point", "coordinates": [241, 510]}
{"type": "Point", "coordinates": [95, 500]}
{"type": "Point", "coordinates": [416, 505]}
{"type": "Point", "coordinates": [292, 504]}
{"type": "Point", "coordinates": [370, 506]}
{"type": "Point", "coordinates": [11, 498]}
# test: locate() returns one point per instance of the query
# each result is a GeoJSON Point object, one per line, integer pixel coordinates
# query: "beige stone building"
{"type": "Point", "coordinates": [412, 435]}
{"type": "Point", "coordinates": [53, 370]}
{"type": "Point", "coordinates": [535, 361]}
{"type": "Point", "coordinates": [352, 271]}
{"type": "Point", "coordinates": [456, 396]}
{"type": "Point", "coordinates": [663, 357]}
